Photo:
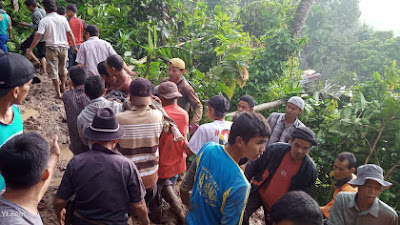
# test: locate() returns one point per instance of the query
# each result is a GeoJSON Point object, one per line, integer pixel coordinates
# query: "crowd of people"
{"type": "Point", "coordinates": [131, 141]}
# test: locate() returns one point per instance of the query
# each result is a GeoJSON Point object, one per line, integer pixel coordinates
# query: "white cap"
{"type": "Point", "coordinates": [297, 101]}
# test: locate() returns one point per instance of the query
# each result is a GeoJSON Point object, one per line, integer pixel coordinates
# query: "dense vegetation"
{"type": "Point", "coordinates": [240, 47]}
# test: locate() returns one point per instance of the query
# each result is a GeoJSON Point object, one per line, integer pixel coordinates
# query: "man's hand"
{"type": "Point", "coordinates": [76, 50]}
{"type": "Point", "coordinates": [25, 24]}
{"type": "Point", "coordinates": [28, 53]}
{"type": "Point", "coordinates": [62, 217]}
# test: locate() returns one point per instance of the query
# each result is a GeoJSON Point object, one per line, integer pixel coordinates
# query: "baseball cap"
{"type": "Point", "coordinates": [297, 101]}
{"type": "Point", "coordinates": [16, 70]}
{"type": "Point", "coordinates": [178, 63]}
{"type": "Point", "coordinates": [219, 103]}
{"type": "Point", "coordinates": [140, 90]}
{"type": "Point", "coordinates": [169, 90]}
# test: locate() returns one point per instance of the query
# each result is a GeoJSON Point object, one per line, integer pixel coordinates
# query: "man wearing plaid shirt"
{"type": "Point", "coordinates": [283, 124]}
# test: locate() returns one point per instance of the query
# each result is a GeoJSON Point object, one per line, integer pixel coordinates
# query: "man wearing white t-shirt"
{"type": "Point", "coordinates": [55, 29]}
{"type": "Point", "coordinates": [216, 131]}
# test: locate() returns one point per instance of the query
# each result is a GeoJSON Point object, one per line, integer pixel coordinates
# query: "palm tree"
{"type": "Point", "coordinates": [303, 10]}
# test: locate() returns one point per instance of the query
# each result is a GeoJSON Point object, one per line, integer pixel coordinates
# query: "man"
{"type": "Point", "coordinates": [106, 185]}
{"type": "Point", "coordinates": [172, 154]}
{"type": "Point", "coordinates": [284, 167]}
{"type": "Point", "coordinates": [5, 28]}
{"type": "Point", "coordinates": [364, 207]}
{"type": "Point", "coordinates": [283, 124]}
{"type": "Point", "coordinates": [94, 90]}
{"type": "Point", "coordinates": [15, 80]}
{"type": "Point", "coordinates": [295, 208]}
{"type": "Point", "coordinates": [61, 11]}
{"type": "Point", "coordinates": [95, 50]}
{"type": "Point", "coordinates": [246, 104]}
{"type": "Point", "coordinates": [216, 131]}
{"type": "Point", "coordinates": [55, 29]}
{"type": "Point", "coordinates": [78, 28]}
{"type": "Point", "coordinates": [27, 166]}
{"type": "Point", "coordinates": [115, 67]}
{"type": "Point", "coordinates": [220, 189]}
{"type": "Point", "coordinates": [109, 81]}
{"type": "Point", "coordinates": [344, 168]}
{"type": "Point", "coordinates": [37, 15]}
{"type": "Point", "coordinates": [75, 101]}
{"type": "Point", "coordinates": [143, 127]}
{"type": "Point", "coordinates": [189, 99]}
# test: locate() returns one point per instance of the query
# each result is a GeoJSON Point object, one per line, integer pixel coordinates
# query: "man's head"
{"type": "Point", "coordinates": [1, 5]}
{"type": "Point", "coordinates": [102, 69]}
{"type": "Point", "coordinates": [78, 75]}
{"type": "Point", "coordinates": [168, 92]}
{"type": "Point", "coordinates": [15, 77]}
{"type": "Point", "coordinates": [94, 87]}
{"type": "Point", "coordinates": [294, 107]}
{"type": "Point", "coordinates": [91, 31]}
{"type": "Point", "coordinates": [344, 166]}
{"type": "Point", "coordinates": [61, 11]}
{"type": "Point", "coordinates": [246, 104]}
{"type": "Point", "coordinates": [296, 208]}
{"type": "Point", "coordinates": [176, 68]}
{"type": "Point", "coordinates": [140, 92]}
{"type": "Point", "coordinates": [71, 10]}
{"type": "Point", "coordinates": [24, 160]}
{"type": "Point", "coordinates": [114, 64]}
{"type": "Point", "coordinates": [250, 132]}
{"type": "Point", "coordinates": [50, 6]}
{"type": "Point", "coordinates": [218, 106]}
{"type": "Point", "coordinates": [301, 141]}
{"type": "Point", "coordinates": [104, 128]}
{"type": "Point", "coordinates": [30, 5]}
{"type": "Point", "coordinates": [370, 182]}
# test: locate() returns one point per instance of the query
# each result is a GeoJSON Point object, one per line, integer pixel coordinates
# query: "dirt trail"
{"type": "Point", "coordinates": [44, 114]}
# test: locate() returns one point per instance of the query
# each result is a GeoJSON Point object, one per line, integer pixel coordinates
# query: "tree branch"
{"type": "Point", "coordinates": [371, 150]}
{"type": "Point", "coordinates": [392, 169]}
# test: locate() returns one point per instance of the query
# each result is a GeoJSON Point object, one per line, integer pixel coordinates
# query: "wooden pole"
{"type": "Point", "coordinates": [263, 106]}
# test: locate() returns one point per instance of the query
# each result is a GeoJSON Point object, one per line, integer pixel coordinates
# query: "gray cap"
{"type": "Point", "coordinates": [370, 172]}
{"type": "Point", "coordinates": [297, 101]}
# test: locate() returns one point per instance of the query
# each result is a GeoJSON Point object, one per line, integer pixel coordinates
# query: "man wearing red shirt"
{"type": "Point", "coordinates": [172, 154]}
{"type": "Point", "coordinates": [78, 28]}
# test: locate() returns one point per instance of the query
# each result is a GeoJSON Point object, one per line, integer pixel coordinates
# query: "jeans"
{"type": "Point", "coordinates": [71, 56]}
{"type": "Point", "coordinates": [3, 42]}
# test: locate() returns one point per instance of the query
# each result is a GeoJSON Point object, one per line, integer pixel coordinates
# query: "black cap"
{"type": "Point", "coordinates": [16, 70]}
{"type": "Point", "coordinates": [306, 134]}
{"type": "Point", "coordinates": [219, 103]}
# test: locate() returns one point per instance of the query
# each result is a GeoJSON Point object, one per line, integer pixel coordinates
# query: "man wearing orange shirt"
{"type": "Point", "coordinates": [344, 168]}
{"type": "Point", "coordinates": [78, 28]}
{"type": "Point", "coordinates": [282, 168]}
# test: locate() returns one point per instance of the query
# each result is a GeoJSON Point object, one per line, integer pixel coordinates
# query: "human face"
{"type": "Point", "coordinates": [292, 111]}
{"type": "Point", "coordinates": [21, 92]}
{"type": "Point", "coordinates": [244, 107]}
{"type": "Point", "coordinates": [31, 8]}
{"type": "Point", "coordinates": [111, 70]}
{"type": "Point", "coordinates": [341, 169]}
{"type": "Point", "coordinates": [70, 13]}
{"type": "Point", "coordinates": [255, 147]}
{"type": "Point", "coordinates": [210, 112]}
{"type": "Point", "coordinates": [299, 149]}
{"type": "Point", "coordinates": [175, 74]}
{"type": "Point", "coordinates": [368, 192]}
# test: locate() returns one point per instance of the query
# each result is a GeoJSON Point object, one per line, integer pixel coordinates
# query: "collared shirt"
{"type": "Point", "coordinates": [105, 184]}
{"type": "Point", "coordinates": [340, 186]}
{"type": "Point", "coordinates": [87, 114]}
{"type": "Point", "coordinates": [143, 127]}
{"type": "Point", "coordinates": [189, 99]}
{"type": "Point", "coordinates": [92, 52]}
{"type": "Point", "coordinates": [346, 212]}
{"type": "Point", "coordinates": [54, 28]}
{"type": "Point", "coordinates": [74, 102]}
{"type": "Point", "coordinates": [280, 131]}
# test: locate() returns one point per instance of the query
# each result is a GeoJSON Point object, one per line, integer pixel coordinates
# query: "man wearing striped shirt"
{"type": "Point", "coordinates": [143, 127]}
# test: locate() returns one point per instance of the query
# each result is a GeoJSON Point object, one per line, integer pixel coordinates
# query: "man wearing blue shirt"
{"type": "Point", "coordinates": [220, 189]}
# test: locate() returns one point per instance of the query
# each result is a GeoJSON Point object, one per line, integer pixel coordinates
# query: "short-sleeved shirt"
{"type": "Point", "coordinates": [77, 27]}
{"type": "Point", "coordinates": [280, 182]}
{"type": "Point", "coordinates": [280, 131]}
{"type": "Point", "coordinates": [216, 131]}
{"type": "Point", "coordinates": [105, 183]}
{"type": "Point", "coordinates": [220, 189]}
{"type": "Point", "coordinates": [172, 154]}
{"type": "Point", "coordinates": [11, 213]}
{"type": "Point", "coordinates": [54, 28]}
{"type": "Point", "coordinates": [4, 23]}
{"type": "Point", "coordinates": [92, 52]}
{"type": "Point", "coordinates": [8, 131]}
{"type": "Point", "coordinates": [346, 212]}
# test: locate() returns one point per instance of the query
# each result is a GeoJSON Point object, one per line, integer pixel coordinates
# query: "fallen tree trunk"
{"type": "Point", "coordinates": [264, 106]}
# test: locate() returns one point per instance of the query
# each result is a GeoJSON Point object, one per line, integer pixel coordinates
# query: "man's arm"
{"type": "Point", "coordinates": [35, 41]}
{"type": "Point", "coordinates": [59, 204]}
{"type": "Point", "coordinates": [140, 210]}
{"type": "Point", "coordinates": [9, 27]}
{"type": "Point", "coordinates": [197, 109]}
{"type": "Point", "coordinates": [187, 184]}
{"type": "Point", "coordinates": [72, 38]}
{"type": "Point", "coordinates": [51, 165]}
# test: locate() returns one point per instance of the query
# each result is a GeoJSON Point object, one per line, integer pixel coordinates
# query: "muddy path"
{"type": "Point", "coordinates": [44, 114]}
